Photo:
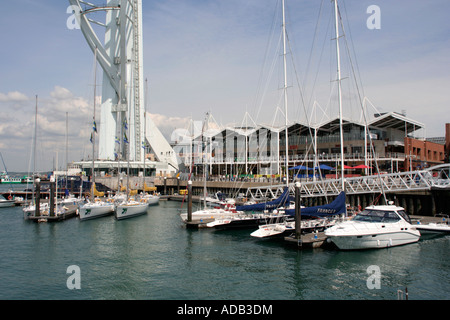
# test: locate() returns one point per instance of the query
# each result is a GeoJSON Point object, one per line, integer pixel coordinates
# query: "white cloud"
{"type": "Point", "coordinates": [17, 128]}
{"type": "Point", "coordinates": [14, 96]}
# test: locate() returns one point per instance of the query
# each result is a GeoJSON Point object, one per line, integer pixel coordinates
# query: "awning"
{"type": "Point", "coordinates": [362, 166]}
{"type": "Point", "coordinates": [300, 168]}
{"type": "Point", "coordinates": [324, 167]}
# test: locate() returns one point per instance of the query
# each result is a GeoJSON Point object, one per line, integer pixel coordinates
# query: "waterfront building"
{"type": "Point", "coordinates": [255, 150]}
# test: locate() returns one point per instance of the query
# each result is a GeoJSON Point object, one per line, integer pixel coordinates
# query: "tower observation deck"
{"type": "Point", "coordinates": [122, 135]}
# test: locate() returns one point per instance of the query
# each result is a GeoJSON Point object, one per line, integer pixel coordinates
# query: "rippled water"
{"type": "Point", "coordinates": [155, 257]}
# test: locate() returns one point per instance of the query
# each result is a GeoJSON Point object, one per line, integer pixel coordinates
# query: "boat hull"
{"type": "Point", "coordinates": [210, 214]}
{"type": "Point", "coordinates": [153, 200]}
{"type": "Point", "coordinates": [272, 230]}
{"type": "Point", "coordinates": [87, 212]}
{"type": "Point", "coordinates": [7, 203]}
{"type": "Point", "coordinates": [125, 211]}
{"type": "Point", "coordinates": [374, 241]}
{"type": "Point", "coordinates": [434, 228]}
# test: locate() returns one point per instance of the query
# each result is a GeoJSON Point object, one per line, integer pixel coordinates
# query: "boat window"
{"type": "Point", "coordinates": [376, 216]}
{"type": "Point", "coordinates": [404, 215]}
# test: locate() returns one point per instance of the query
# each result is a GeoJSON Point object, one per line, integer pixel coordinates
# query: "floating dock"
{"type": "Point", "coordinates": [309, 240]}
{"type": "Point", "coordinates": [68, 214]}
{"type": "Point", "coordinates": [198, 223]}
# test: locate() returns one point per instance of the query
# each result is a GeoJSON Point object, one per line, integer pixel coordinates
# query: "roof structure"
{"type": "Point", "coordinates": [396, 121]}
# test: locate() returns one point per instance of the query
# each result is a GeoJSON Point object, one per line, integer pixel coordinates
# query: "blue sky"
{"type": "Point", "coordinates": [217, 56]}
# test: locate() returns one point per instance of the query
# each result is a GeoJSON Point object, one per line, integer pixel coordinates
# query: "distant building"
{"type": "Point", "coordinates": [260, 149]}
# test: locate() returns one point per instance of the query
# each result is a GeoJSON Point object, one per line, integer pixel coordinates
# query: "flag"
{"type": "Point", "coordinates": [125, 124]}
{"type": "Point", "coordinates": [125, 139]}
{"type": "Point", "coordinates": [117, 140]}
{"type": "Point", "coordinates": [91, 138]}
{"type": "Point", "coordinates": [95, 127]}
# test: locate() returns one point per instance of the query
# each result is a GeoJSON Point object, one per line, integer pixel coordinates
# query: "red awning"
{"type": "Point", "coordinates": [361, 166]}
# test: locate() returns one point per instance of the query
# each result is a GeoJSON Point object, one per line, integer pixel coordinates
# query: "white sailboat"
{"type": "Point", "coordinates": [151, 199]}
{"type": "Point", "coordinates": [213, 214]}
{"type": "Point", "coordinates": [96, 207]}
{"type": "Point", "coordinates": [130, 207]}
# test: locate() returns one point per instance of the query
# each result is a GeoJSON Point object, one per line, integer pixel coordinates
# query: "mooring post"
{"type": "Point", "coordinates": [298, 214]}
{"type": "Point", "coordinates": [189, 216]}
{"type": "Point", "coordinates": [52, 199]}
{"type": "Point", "coordinates": [37, 205]}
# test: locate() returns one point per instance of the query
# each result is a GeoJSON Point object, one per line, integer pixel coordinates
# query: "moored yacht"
{"type": "Point", "coordinates": [375, 227]}
{"type": "Point", "coordinates": [213, 213]}
{"type": "Point", "coordinates": [6, 202]}
{"type": "Point", "coordinates": [95, 209]}
{"type": "Point", "coordinates": [151, 199]}
{"type": "Point", "coordinates": [130, 208]}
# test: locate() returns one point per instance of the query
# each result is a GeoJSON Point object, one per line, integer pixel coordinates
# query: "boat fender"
{"type": "Point", "coordinates": [9, 197]}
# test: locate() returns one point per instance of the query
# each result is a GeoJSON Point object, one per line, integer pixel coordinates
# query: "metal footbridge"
{"type": "Point", "coordinates": [437, 177]}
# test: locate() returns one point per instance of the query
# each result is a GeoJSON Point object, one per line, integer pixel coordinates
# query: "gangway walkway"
{"type": "Point", "coordinates": [434, 177]}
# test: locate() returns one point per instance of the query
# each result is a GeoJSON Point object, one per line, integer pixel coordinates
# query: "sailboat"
{"type": "Point", "coordinates": [219, 212]}
{"type": "Point", "coordinates": [95, 208]}
{"type": "Point", "coordinates": [130, 207]}
{"type": "Point", "coordinates": [150, 198]}
{"type": "Point", "coordinates": [30, 210]}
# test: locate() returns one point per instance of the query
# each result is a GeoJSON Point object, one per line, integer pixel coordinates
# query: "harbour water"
{"type": "Point", "coordinates": [154, 257]}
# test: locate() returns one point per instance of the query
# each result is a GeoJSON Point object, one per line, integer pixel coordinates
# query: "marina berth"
{"type": "Point", "coordinates": [318, 218]}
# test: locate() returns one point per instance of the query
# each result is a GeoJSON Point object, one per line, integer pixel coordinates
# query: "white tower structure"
{"type": "Point", "coordinates": [121, 132]}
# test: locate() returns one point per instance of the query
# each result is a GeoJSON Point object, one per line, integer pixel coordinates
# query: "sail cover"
{"type": "Point", "coordinates": [280, 201]}
{"type": "Point", "coordinates": [334, 208]}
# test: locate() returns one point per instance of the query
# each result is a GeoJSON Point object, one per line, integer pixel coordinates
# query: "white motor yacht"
{"type": "Point", "coordinates": [375, 227]}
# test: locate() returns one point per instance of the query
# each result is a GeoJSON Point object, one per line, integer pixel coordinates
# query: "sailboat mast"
{"type": "Point", "coordinates": [93, 131]}
{"type": "Point", "coordinates": [35, 138]}
{"type": "Point", "coordinates": [338, 57]}
{"type": "Point", "coordinates": [285, 97]}
{"type": "Point", "coordinates": [144, 145]}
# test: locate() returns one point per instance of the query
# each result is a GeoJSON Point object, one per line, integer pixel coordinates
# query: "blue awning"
{"type": "Point", "coordinates": [300, 168]}
{"type": "Point", "coordinates": [324, 167]}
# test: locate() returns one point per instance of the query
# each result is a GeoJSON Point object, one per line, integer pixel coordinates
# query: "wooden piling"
{"type": "Point", "coordinates": [298, 212]}
{"type": "Point", "coordinates": [189, 215]}
{"type": "Point", "coordinates": [37, 211]}
{"type": "Point", "coordinates": [52, 199]}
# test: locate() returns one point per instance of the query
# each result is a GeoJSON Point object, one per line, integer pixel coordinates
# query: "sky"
{"type": "Point", "coordinates": [224, 57]}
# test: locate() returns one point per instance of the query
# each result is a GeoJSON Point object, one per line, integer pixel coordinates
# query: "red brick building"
{"type": "Point", "coordinates": [421, 154]}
